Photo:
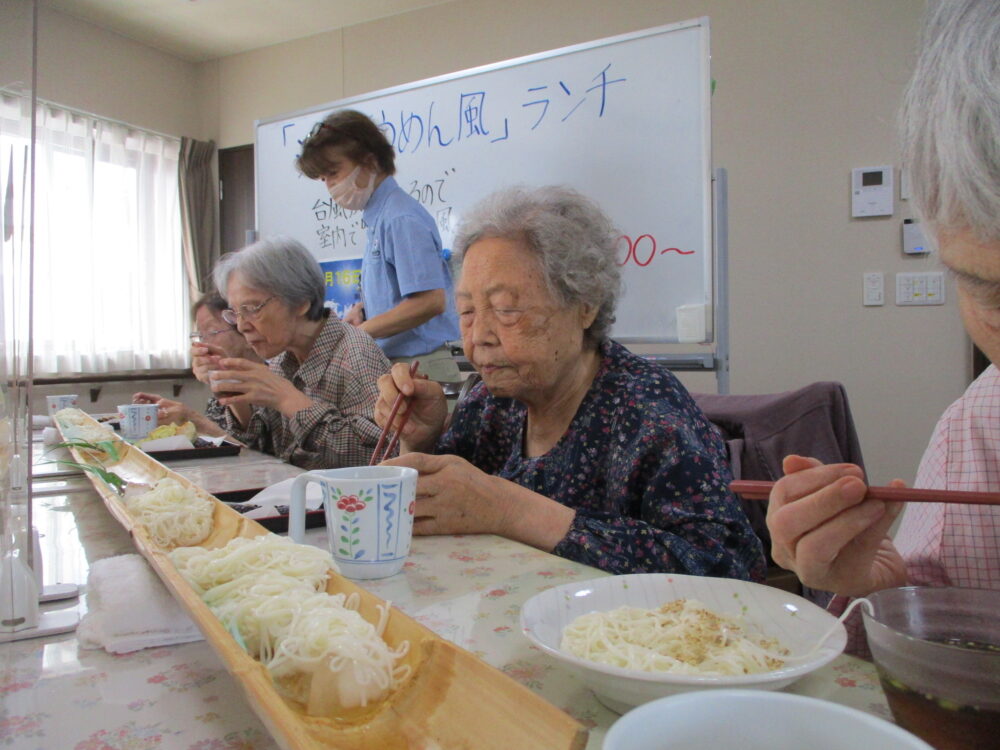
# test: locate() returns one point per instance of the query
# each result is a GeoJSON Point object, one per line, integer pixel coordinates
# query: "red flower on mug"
{"type": "Point", "coordinates": [413, 504]}
{"type": "Point", "coordinates": [350, 503]}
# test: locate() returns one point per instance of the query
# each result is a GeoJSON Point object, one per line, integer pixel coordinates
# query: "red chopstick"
{"type": "Point", "coordinates": [377, 456]}
{"type": "Point", "coordinates": [757, 490]}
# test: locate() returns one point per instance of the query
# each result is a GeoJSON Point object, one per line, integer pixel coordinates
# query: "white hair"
{"type": "Point", "coordinates": [572, 238]}
{"type": "Point", "coordinates": [278, 265]}
{"type": "Point", "coordinates": [950, 120]}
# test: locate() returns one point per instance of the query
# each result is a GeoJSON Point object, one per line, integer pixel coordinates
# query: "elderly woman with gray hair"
{"type": "Point", "coordinates": [823, 525]}
{"type": "Point", "coordinates": [570, 443]}
{"type": "Point", "coordinates": [311, 404]}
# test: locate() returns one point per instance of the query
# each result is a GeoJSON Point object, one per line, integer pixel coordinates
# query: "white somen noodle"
{"type": "Point", "coordinates": [207, 568]}
{"type": "Point", "coordinates": [172, 514]}
{"type": "Point", "coordinates": [269, 591]}
{"type": "Point", "coordinates": [680, 637]}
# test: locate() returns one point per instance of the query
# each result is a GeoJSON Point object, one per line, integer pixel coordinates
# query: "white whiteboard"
{"type": "Point", "coordinates": [624, 120]}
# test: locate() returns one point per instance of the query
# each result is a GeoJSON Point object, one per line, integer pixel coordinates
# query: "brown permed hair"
{"type": "Point", "coordinates": [352, 132]}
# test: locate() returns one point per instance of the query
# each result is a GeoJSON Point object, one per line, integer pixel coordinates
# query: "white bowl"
{"type": "Point", "coordinates": [753, 720]}
{"type": "Point", "coordinates": [796, 623]}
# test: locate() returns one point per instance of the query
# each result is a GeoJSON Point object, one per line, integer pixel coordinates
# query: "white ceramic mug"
{"type": "Point", "coordinates": [56, 403]}
{"type": "Point", "coordinates": [137, 420]}
{"type": "Point", "coordinates": [369, 516]}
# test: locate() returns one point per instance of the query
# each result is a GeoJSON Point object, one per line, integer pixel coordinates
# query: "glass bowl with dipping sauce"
{"type": "Point", "coordinates": [937, 651]}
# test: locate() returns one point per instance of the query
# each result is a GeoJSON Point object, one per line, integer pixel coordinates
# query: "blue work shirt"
{"type": "Point", "coordinates": [403, 257]}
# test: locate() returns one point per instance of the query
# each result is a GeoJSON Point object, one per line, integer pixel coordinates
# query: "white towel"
{"type": "Point", "coordinates": [130, 609]}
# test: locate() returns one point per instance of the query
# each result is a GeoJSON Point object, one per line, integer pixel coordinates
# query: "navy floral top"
{"type": "Point", "coordinates": [644, 469]}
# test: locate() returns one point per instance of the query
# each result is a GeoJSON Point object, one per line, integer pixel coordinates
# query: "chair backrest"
{"type": "Point", "coordinates": [760, 430]}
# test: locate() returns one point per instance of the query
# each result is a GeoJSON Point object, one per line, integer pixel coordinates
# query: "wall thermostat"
{"type": "Point", "coordinates": [871, 191]}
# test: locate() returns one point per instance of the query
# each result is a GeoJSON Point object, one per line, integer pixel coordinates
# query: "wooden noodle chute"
{"type": "Point", "coordinates": [451, 699]}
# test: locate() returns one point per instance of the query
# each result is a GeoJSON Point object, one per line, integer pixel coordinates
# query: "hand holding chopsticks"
{"type": "Point", "coordinates": [378, 456]}
{"type": "Point", "coordinates": [824, 527]}
{"type": "Point", "coordinates": [758, 490]}
{"type": "Point", "coordinates": [426, 414]}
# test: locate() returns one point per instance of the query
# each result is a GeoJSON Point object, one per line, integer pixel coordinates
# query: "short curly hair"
{"type": "Point", "coordinates": [572, 238]}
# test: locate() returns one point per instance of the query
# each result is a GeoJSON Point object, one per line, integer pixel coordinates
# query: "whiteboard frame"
{"type": "Point", "coordinates": [708, 198]}
{"type": "Point", "coordinates": [515, 61]}
{"type": "Point", "coordinates": [717, 360]}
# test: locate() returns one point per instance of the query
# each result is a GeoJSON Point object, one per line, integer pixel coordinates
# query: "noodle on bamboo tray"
{"type": "Point", "coordinates": [442, 696]}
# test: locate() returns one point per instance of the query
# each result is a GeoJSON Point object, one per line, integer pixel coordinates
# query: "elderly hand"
{"type": "Point", "coordinates": [427, 404]}
{"type": "Point", "coordinates": [240, 383]}
{"type": "Point", "coordinates": [169, 412]}
{"type": "Point", "coordinates": [174, 412]}
{"type": "Point", "coordinates": [824, 529]}
{"type": "Point", "coordinates": [204, 359]}
{"type": "Point", "coordinates": [454, 497]}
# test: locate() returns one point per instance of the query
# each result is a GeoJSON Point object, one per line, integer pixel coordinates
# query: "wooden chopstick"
{"type": "Point", "coordinates": [758, 490]}
{"type": "Point", "coordinates": [377, 455]}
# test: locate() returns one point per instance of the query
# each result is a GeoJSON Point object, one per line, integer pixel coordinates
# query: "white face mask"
{"type": "Point", "coordinates": [348, 195]}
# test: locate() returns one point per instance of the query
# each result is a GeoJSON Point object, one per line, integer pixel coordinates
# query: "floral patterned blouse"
{"type": "Point", "coordinates": [642, 466]}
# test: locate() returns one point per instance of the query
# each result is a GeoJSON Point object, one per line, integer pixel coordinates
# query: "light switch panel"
{"type": "Point", "coordinates": [925, 288]}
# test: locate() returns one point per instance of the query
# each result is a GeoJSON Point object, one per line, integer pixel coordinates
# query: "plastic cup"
{"type": "Point", "coordinates": [937, 651]}
{"type": "Point", "coordinates": [138, 420]}
{"type": "Point", "coordinates": [369, 516]}
{"type": "Point", "coordinates": [56, 403]}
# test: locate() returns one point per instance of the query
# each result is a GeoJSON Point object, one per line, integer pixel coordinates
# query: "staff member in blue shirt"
{"type": "Point", "coordinates": [407, 303]}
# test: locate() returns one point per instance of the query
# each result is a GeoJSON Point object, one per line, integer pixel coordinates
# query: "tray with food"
{"type": "Point", "coordinates": [173, 442]}
{"type": "Point", "coordinates": [322, 662]}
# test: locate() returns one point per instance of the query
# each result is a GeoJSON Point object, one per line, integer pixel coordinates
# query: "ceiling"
{"type": "Point", "coordinates": [199, 30]}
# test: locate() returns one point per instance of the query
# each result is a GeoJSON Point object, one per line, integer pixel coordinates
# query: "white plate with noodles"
{"type": "Point", "coordinates": [724, 634]}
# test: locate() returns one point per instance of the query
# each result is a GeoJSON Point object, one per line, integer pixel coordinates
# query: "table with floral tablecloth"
{"type": "Point", "coordinates": [468, 589]}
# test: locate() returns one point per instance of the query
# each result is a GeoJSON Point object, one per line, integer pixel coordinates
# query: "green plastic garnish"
{"type": "Point", "coordinates": [105, 446]}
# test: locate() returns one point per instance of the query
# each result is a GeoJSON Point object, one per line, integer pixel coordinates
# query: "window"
{"type": "Point", "coordinates": [109, 285]}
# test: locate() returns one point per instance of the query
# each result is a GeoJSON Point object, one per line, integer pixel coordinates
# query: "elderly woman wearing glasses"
{"type": "Point", "coordinates": [311, 404]}
{"type": "Point", "coordinates": [210, 328]}
{"type": "Point", "coordinates": [571, 443]}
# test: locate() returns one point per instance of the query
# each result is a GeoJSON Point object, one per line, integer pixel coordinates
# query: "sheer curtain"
{"type": "Point", "coordinates": [110, 293]}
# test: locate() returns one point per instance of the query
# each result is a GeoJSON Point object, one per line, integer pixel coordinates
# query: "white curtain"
{"type": "Point", "coordinates": [109, 288]}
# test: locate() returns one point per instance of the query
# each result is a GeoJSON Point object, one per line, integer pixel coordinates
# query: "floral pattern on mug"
{"type": "Point", "coordinates": [350, 525]}
{"type": "Point", "coordinates": [351, 503]}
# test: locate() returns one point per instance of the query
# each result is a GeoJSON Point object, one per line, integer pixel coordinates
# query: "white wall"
{"type": "Point", "coordinates": [806, 89]}
{"type": "Point", "coordinates": [87, 68]}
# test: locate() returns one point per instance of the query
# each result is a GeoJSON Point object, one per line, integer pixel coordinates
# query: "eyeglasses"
{"type": "Point", "coordinates": [197, 336]}
{"type": "Point", "coordinates": [247, 312]}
